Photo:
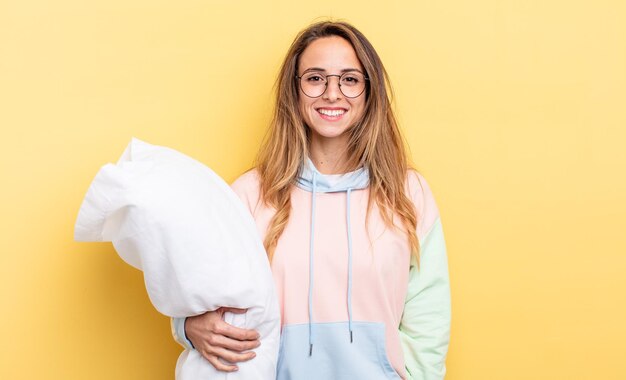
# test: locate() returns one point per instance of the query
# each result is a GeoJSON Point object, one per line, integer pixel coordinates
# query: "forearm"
{"type": "Point", "coordinates": [425, 326]}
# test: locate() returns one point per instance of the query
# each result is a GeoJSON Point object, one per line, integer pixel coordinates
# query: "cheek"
{"type": "Point", "coordinates": [360, 110]}
{"type": "Point", "coordinates": [305, 110]}
{"type": "Point", "coordinates": [302, 105]}
{"type": "Point", "coordinates": [303, 115]}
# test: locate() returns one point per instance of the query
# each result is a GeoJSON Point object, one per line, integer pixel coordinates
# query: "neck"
{"type": "Point", "coordinates": [330, 156]}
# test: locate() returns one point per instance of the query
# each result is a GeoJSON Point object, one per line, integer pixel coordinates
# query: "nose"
{"type": "Point", "coordinates": [333, 92]}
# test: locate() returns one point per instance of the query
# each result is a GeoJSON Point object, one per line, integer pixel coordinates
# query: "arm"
{"type": "Point", "coordinates": [208, 333]}
{"type": "Point", "coordinates": [425, 324]}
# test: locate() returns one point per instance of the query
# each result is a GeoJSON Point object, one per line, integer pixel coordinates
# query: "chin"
{"type": "Point", "coordinates": [329, 133]}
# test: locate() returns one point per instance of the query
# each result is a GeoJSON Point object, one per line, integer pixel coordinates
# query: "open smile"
{"type": "Point", "coordinates": [331, 114]}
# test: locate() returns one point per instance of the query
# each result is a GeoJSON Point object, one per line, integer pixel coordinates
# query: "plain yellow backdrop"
{"type": "Point", "coordinates": [515, 111]}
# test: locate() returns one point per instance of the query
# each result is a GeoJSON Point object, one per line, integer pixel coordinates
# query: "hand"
{"type": "Point", "coordinates": [216, 340]}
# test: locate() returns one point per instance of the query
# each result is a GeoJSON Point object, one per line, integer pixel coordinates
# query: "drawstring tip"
{"type": "Point", "coordinates": [311, 349]}
{"type": "Point", "coordinates": [350, 336]}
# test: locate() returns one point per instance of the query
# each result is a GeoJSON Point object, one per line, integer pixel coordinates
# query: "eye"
{"type": "Point", "coordinates": [315, 78]}
{"type": "Point", "coordinates": [350, 80]}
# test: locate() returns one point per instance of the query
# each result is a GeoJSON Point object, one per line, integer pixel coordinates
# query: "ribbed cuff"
{"type": "Point", "coordinates": [178, 331]}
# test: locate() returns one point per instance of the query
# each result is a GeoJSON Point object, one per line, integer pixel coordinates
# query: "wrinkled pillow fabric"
{"type": "Point", "coordinates": [178, 222]}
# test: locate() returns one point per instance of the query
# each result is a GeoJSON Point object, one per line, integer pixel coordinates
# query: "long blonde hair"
{"type": "Point", "coordinates": [375, 140]}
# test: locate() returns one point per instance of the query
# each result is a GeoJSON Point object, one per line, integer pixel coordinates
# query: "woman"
{"type": "Point", "coordinates": [353, 234]}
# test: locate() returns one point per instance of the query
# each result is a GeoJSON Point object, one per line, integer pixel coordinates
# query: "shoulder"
{"type": "Point", "coordinates": [248, 188]}
{"type": "Point", "coordinates": [420, 193]}
{"type": "Point", "coordinates": [247, 181]}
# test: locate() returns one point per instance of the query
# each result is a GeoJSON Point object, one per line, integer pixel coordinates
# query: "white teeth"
{"type": "Point", "coordinates": [331, 112]}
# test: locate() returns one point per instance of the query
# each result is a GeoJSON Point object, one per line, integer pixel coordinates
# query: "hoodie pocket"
{"type": "Point", "coordinates": [333, 355]}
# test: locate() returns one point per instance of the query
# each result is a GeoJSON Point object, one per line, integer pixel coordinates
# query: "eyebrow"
{"type": "Point", "coordinates": [321, 69]}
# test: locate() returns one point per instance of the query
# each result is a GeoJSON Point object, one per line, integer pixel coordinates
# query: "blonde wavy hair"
{"type": "Point", "coordinates": [375, 140]}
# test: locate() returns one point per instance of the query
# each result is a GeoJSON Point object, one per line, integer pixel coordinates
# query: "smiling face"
{"type": "Point", "coordinates": [332, 114]}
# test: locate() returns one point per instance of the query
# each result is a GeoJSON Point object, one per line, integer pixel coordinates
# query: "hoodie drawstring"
{"type": "Point", "coordinates": [311, 250]}
{"type": "Point", "coordinates": [311, 239]}
{"type": "Point", "coordinates": [349, 191]}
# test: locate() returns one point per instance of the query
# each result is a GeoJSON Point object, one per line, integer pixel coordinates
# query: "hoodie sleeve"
{"type": "Point", "coordinates": [178, 332]}
{"type": "Point", "coordinates": [425, 325]}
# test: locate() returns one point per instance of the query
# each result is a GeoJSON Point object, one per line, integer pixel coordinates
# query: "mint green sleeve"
{"type": "Point", "coordinates": [425, 324]}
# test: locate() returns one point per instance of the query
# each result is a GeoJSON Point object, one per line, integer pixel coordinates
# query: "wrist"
{"type": "Point", "coordinates": [185, 333]}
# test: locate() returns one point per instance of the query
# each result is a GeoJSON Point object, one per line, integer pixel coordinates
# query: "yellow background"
{"type": "Point", "coordinates": [515, 112]}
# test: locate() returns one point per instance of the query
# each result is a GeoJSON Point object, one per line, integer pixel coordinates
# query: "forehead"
{"type": "Point", "coordinates": [333, 54]}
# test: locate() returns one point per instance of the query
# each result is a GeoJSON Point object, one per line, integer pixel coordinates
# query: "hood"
{"type": "Point", "coordinates": [331, 183]}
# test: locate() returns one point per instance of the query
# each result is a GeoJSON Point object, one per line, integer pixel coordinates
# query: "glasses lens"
{"type": "Point", "coordinates": [313, 84]}
{"type": "Point", "coordinates": [352, 84]}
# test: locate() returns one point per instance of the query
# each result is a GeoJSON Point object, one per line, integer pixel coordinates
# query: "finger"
{"type": "Point", "coordinates": [234, 344]}
{"type": "Point", "coordinates": [231, 356]}
{"type": "Point", "coordinates": [237, 333]}
{"type": "Point", "coordinates": [233, 310]}
{"type": "Point", "coordinates": [220, 366]}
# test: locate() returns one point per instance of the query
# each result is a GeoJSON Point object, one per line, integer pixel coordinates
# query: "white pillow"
{"type": "Point", "coordinates": [173, 218]}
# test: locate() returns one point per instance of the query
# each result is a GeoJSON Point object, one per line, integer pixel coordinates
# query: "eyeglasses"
{"type": "Point", "coordinates": [314, 84]}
